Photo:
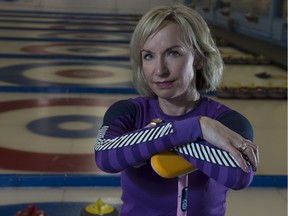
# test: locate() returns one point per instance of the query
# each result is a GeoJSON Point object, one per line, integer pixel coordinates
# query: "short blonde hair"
{"type": "Point", "coordinates": [197, 38]}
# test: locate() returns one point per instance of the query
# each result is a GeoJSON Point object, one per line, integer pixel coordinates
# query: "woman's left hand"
{"type": "Point", "coordinates": [243, 150]}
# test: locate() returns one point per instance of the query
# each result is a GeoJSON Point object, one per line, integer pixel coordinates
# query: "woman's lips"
{"type": "Point", "coordinates": [164, 84]}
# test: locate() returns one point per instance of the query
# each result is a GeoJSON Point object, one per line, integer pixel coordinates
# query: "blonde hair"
{"type": "Point", "coordinates": [197, 38]}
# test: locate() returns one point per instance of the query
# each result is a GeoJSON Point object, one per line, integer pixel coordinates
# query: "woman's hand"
{"type": "Point", "coordinates": [243, 150]}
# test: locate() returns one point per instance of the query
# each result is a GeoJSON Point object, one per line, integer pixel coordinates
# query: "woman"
{"type": "Point", "coordinates": [174, 61]}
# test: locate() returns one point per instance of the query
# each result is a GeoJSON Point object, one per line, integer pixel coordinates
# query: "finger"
{"type": "Point", "coordinates": [250, 144]}
{"type": "Point", "coordinates": [243, 162]}
{"type": "Point", "coordinates": [256, 154]}
{"type": "Point", "coordinates": [250, 155]}
{"type": "Point", "coordinates": [258, 157]}
{"type": "Point", "coordinates": [240, 158]}
{"type": "Point", "coordinates": [253, 152]}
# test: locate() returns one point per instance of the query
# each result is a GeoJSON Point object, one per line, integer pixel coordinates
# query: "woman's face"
{"type": "Point", "coordinates": [168, 64]}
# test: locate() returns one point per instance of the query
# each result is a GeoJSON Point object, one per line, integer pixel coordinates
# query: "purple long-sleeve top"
{"type": "Point", "coordinates": [125, 145]}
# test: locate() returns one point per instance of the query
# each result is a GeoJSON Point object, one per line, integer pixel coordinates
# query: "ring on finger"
{"type": "Point", "coordinates": [243, 147]}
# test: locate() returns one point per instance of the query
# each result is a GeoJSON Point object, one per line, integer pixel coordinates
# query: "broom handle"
{"type": "Point", "coordinates": [182, 195]}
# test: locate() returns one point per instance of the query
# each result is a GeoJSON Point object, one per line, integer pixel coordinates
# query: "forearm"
{"type": "Point", "coordinates": [119, 147]}
{"type": "Point", "coordinates": [216, 163]}
{"type": "Point", "coordinates": [115, 153]}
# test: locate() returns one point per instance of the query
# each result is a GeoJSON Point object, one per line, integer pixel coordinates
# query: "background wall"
{"type": "Point", "coordinates": [261, 19]}
{"type": "Point", "coordinates": [86, 6]}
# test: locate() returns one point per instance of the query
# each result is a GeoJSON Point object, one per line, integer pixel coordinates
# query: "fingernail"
{"type": "Point", "coordinates": [246, 169]}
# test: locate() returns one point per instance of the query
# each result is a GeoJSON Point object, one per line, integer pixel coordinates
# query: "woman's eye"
{"type": "Point", "coordinates": [174, 53]}
{"type": "Point", "coordinates": [147, 56]}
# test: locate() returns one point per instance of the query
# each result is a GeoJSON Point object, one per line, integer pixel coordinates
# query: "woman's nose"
{"type": "Point", "coordinates": [161, 67]}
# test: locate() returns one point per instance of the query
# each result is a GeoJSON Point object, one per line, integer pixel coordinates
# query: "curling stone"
{"type": "Point", "coordinates": [263, 60]}
{"type": "Point", "coordinates": [225, 92]}
{"type": "Point", "coordinates": [277, 93]}
{"type": "Point", "coordinates": [31, 210]}
{"type": "Point", "coordinates": [243, 92]}
{"type": "Point", "coordinates": [241, 60]}
{"type": "Point", "coordinates": [251, 59]}
{"type": "Point", "coordinates": [259, 92]}
{"type": "Point", "coordinates": [228, 59]}
{"type": "Point", "coordinates": [99, 208]}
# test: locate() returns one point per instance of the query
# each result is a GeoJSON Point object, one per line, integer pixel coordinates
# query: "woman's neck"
{"type": "Point", "coordinates": [178, 106]}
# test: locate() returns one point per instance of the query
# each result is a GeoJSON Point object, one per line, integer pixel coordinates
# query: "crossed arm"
{"type": "Point", "coordinates": [208, 144]}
